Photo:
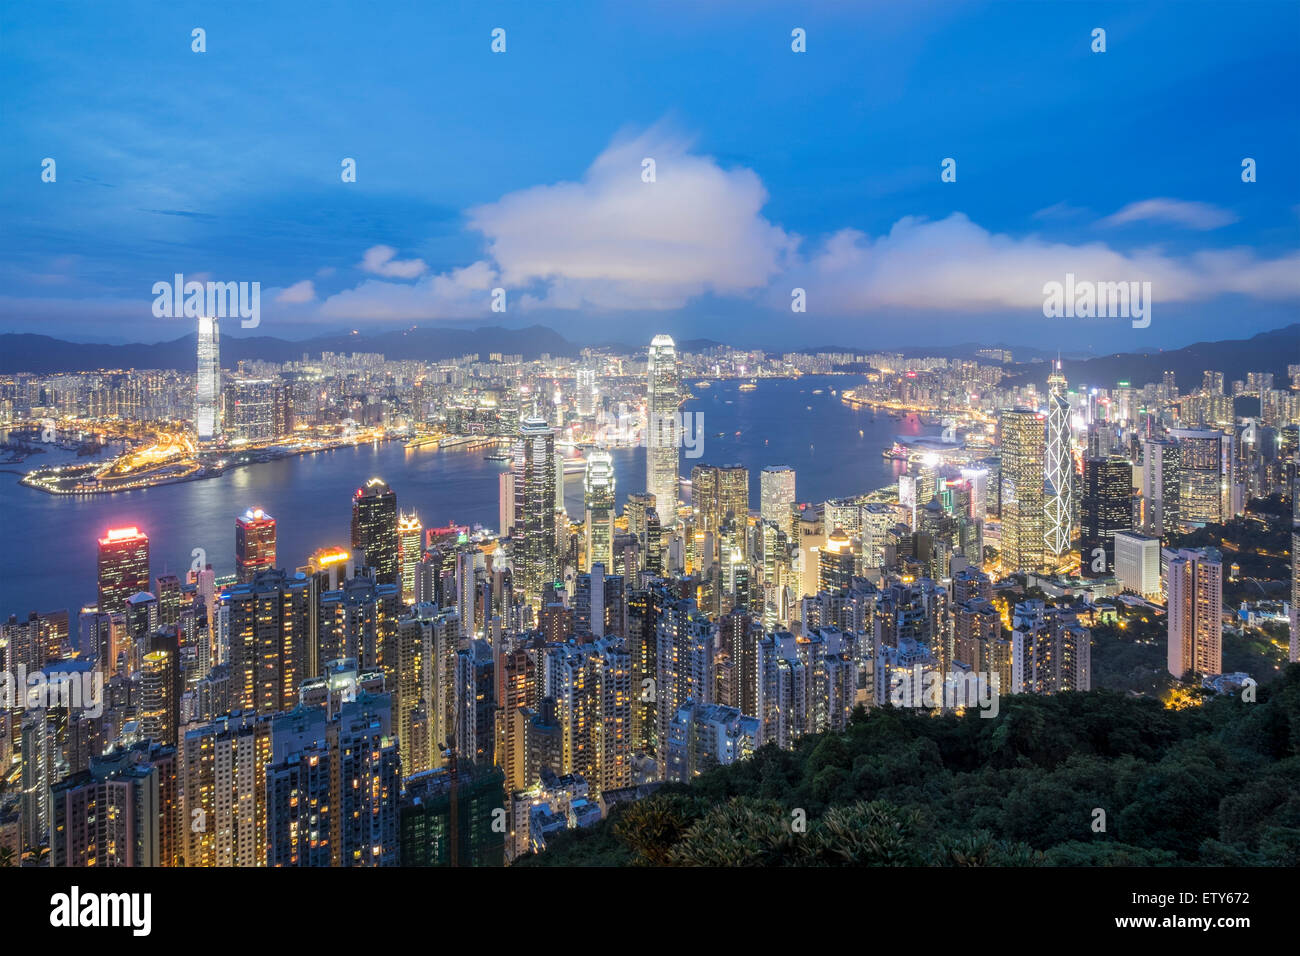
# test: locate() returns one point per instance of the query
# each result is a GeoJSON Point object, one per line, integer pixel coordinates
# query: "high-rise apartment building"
{"type": "Point", "coordinates": [1194, 584]}
{"type": "Point", "coordinates": [410, 547]}
{"type": "Point", "coordinates": [776, 488]}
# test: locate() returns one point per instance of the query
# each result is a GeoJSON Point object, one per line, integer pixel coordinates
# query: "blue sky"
{"type": "Point", "coordinates": [523, 170]}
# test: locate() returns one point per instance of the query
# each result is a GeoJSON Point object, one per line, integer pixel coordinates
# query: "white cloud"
{"type": "Point", "coordinates": [613, 241]}
{"type": "Point", "coordinates": [461, 293]}
{"type": "Point", "coordinates": [1179, 212]}
{"type": "Point", "coordinates": [955, 264]}
{"type": "Point", "coordinates": [380, 261]}
{"type": "Point", "coordinates": [303, 291]}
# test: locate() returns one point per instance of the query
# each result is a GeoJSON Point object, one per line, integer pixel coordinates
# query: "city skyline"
{"type": "Point", "coordinates": [691, 435]}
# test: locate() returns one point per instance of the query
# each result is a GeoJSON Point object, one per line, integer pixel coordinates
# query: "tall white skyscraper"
{"type": "Point", "coordinates": [599, 497]}
{"type": "Point", "coordinates": [1059, 472]}
{"type": "Point", "coordinates": [663, 395]}
{"type": "Point", "coordinates": [776, 494]}
{"type": "Point", "coordinates": [207, 416]}
{"type": "Point", "coordinates": [585, 391]}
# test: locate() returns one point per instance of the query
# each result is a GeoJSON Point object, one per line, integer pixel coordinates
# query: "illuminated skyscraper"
{"type": "Point", "coordinates": [1105, 507]}
{"type": "Point", "coordinates": [585, 397]}
{"type": "Point", "coordinates": [254, 544]}
{"type": "Point", "coordinates": [663, 396]}
{"type": "Point", "coordinates": [1023, 450]}
{"type": "Point", "coordinates": [536, 555]}
{"type": "Point", "coordinates": [599, 495]}
{"type": "Point", "coordinates": [410, 545]}
{"type": "Point", "coordinates": [1160, 487]}
{"type": "Point", "coordinates": [1204, 460]}
{"type": "Point", "coordinates": [207, 412]}
{"type": "Point", "coordinates": [160, 692]}
{"type": "Point", "coordinates": [374, 529]}
{"type": "Point", "coordinates": [224, 770]}
{"type": "Point", "coordinates": [776, 494]}
{"type": "Point", "coordinates": [1059, 468]}
{"type": "Point", "coordinates": [123, 568]}
{"type": "Point", "coordinates": [1195, 588]}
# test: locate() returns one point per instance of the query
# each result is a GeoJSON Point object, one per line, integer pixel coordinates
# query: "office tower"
{"type": "Point", "coordinates": [207, 410]}
{"type": "Point", "coordinates": [374, 529]}
{"type": "Point", "coordinates": [535, 556]}
{"type": "Point", "coordinates": [585, 391]}
{"type": "Point", "coordinates": [663, 396]}
{"type": "Point", "coordinates": [1051, 653]}
{"type": "Point", "coordinates": [506, 504]}
{"type": "Point", "coordinates": [332, 786]}
{"type": "Point", "coordinates": [1137, 563]}
{"type": "Point", "coordinates": [1059, 468]}
{"type": "Point", "coordinates": [160, 691]}
{"type": "Point", "coordinates": [223, 766]}
{"type": "Point", "coordinates": [1205, 473]}
{"type": "Point", "coordinates": [1105, 507]}
{"type": "Point", "coordinates": [1161, 483]}
{"type": "Point", "coordinates": [598, 490]}
{"type": "Point", "coordinates": [123, 568]}
{"type": "Point", "coordinates": [1024, 446]}
{"type": "Point", "coordinates": [122, 811]}
{"type": "Point", "coordinates": [254, 544]}
{"type": "Point", "coordinates": [451, 817]}
{"type": "Point", "coordinates": [1194, 584]}
{"type": "Point", "coordinates": [410, 548]}
{"type": "Point", "coordinates": [268, 625]}
{"type": "Point", "coordinates": [358, 622]}
{"type": "Point", "coordinates": [776, 494]}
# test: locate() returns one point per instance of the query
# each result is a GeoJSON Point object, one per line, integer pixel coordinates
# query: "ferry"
{"type": "Point", "coordinates": [498, 457]}
{"type": "Point", "coordinates": [817, 391]}
{"type": "Point", "coordinates": [703, 384]}
{"type": "Point", "coordinates": [748, 387]}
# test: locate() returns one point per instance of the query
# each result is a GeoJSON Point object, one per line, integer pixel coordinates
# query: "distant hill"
{"type": "Point", "coordinates": [1266, 352]}
{"type": "Point", "coordinates": [24, 352]}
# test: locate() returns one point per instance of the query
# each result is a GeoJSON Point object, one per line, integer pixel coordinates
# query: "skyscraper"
{"type": "Point", "coordinates": [663, 396]}
{"type": "Point", "coordinates": [254, 543]}
{"type": "Point", "coordinates": [1204, 459]}
{"type": "Point", "coordinates": [1160, 487]}
{"type": "Point", "coordinates": [776, 494]}
{"type": "Point", "coordinates": [1195, 588]}
{"type": "Point", "coordinates": [123, 568]}
{"type": "Point", "coordinates": [410, 545]}
{"type": "Point", "coordinates": [374, 529]}
{"type": "Point", "coordinates": [1105, 507]}
{"type": "Point", "coordinates": [599, 497]}
{"type": "Point", "coordinates": [1059, 468]}
{"type": "Point", "coordinates": [207, 413]}
{"type": "Point", "coordinates": [536, 555]}
{"type": "Point", "coordinates": [1024, 449]}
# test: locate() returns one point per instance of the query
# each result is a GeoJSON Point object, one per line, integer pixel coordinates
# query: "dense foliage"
{"type": "Point", "coordinates": [1213, 784]}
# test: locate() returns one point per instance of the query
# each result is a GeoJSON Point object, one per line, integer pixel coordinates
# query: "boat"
{"type": "Point", "coordinates": [703, 384]}
{"type": "Point", "coordinates": [498, 457]}
{"type": "Point", "coordinates": [817, 391]}
{"type": "Point", "coordinates": [748, 387]}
